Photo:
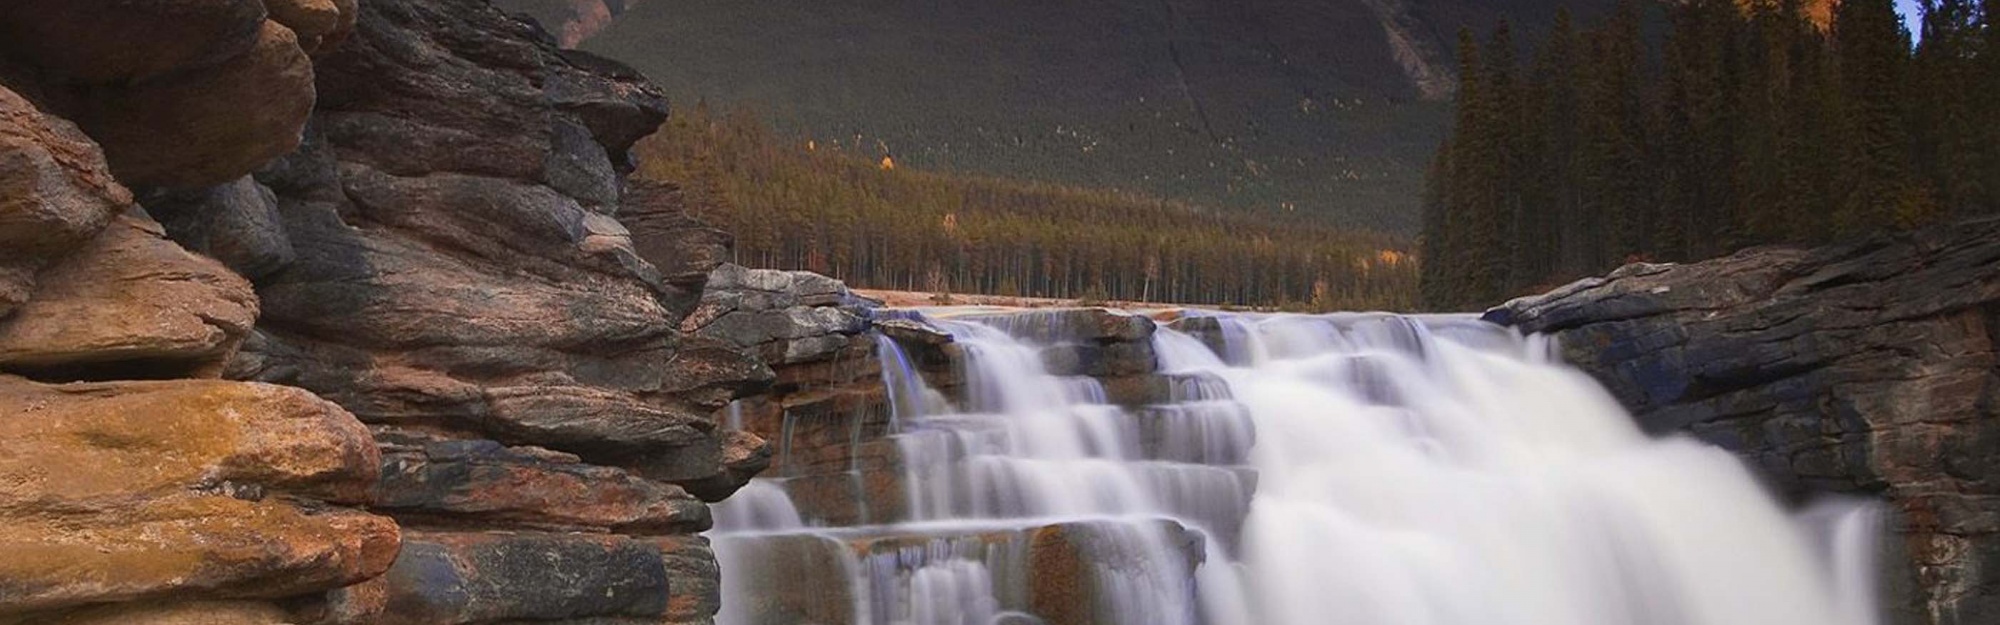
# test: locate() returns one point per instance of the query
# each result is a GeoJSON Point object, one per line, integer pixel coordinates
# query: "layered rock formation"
{"type": "Point", "coordinates": [465, 395]}
{"type": "Point", "coordinates": [1870, 368]}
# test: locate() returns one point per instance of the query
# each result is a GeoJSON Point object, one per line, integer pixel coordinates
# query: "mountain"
{"type": "Point", "coordinates": [1328, 107]}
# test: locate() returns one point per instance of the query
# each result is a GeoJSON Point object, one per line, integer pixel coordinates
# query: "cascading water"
{"type": "Point", "coordinates": [1307, 470]}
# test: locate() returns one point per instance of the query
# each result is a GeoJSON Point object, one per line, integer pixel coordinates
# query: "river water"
{"type": "Point", "coordinates": [1308, 470]}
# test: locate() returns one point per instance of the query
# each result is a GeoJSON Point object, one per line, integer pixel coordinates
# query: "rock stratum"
{"type": "Point", "coordinates": [326, 311]}
{"type": "Point", "coordinates": [1870, 368]}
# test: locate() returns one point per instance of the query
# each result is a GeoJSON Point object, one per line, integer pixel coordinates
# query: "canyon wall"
{"type": "Point", "coordinates": [317, 312]}
{"type": "Point", "coordinates": [1868, 368]}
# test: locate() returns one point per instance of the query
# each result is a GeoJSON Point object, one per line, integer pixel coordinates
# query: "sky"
{"type": "Point", "coordinates": [1911, 15]}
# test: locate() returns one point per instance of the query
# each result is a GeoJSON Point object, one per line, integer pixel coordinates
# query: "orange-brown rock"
{"type": "Point", "coordinates": [136, 490]}
{"type": "Point", "coordinates": [130, 304]}
{"type": "Point", "coordinates": [93, 42]}
{"type": "Point", "coordinates": [206, 127]}
{"type": "Point", "coordinates": [179, 613]}
{"type": "Point", "coordinates": [55, 193]}
{"type": "Point", "coordinates": [320, 24]}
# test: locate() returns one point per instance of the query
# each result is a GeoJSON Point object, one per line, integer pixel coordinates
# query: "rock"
{"type": "Point", "coordinates": [320, 24]}
{"type": "Point", "coordinates": [1100, 360]}
{"type": "Point", "coordinates": [205, 128]}
{"type": "Point", "coordinates": [131, 304]}
{"type": "Point", "coordinates": [1867, 368]}
{"type": "Point", "coordinates": [236, 223]}
{"type": "Point", "coordinates": [55, 193]}
{"type": "Point", "coordinates": [129, 41]}
{"type": "Point", "coordinates": [191, 488]}
{"type": "Point", "coordinates": [682, 248]}
{"type": "Point", "coordinates": [784, 317]}
{"type": "Point", "coordinates": [1064, 325]}
{"type": "Point", "coordinates": [781, 579]}
{"type": "Point", "coordinates": [456, 482]}
{"type": "Point", "coordinates": [453, 578]}
{"type": "Point", "coordinates": [912, 332]}
{"type": "Point", "coordinates": [180, 613]}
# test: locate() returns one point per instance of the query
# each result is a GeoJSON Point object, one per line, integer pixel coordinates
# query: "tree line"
{"type": "Point", "coordinates": [798, 204]}
{"type": "Point", "coordinates": [1750, 122]}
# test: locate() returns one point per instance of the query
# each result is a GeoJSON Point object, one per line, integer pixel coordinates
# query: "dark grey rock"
{"type": "Point", "coordinates": [1867, 368]}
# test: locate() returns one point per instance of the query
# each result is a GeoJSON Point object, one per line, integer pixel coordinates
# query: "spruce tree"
{"type": "Point", "coordinates": [1872, 48]}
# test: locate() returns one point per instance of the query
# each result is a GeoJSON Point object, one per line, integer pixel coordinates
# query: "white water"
{"type": "Point", "coordinates": [1344, 469]}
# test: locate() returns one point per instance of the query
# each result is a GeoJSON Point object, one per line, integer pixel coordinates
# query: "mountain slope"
{"type": "Point", "coordinates": [1327, 107]}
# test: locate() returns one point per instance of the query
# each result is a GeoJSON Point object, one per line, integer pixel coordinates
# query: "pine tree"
{"type": "Point", "coordinates": [1944, 69]}
{"type": "Point", "coordinates": [1612, 159]}
{"type": "Point", "coordinates": [1873, 48]}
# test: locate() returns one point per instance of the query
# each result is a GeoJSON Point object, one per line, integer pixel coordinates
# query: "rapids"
{"type": "Point", "coordinates": [1313, 470]}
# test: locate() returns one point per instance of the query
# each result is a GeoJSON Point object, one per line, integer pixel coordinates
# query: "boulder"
{"type": "Point", "coordinates": [456, 482]}
{"type": "Point", "coordinates": [320, 24]}
{"type": "Point", "coordinates": [192, 489]}
{"type": "Point", "coordinates": [203, 128]}
{"type": "Point", "coordinates": [130, 304]}
{"type": "Point", "coordinates": [1866, 368]}
{"type": "Point", "coordinates": [130, 41]}
{"type": "Point", "coordinates": [55, 194]}
{"type": "Point", "coordinates": [179, 613]}
{"type": "Point", "coordinates": [236, 223]}
{"type": "Point", "coordinates": [479, 578]}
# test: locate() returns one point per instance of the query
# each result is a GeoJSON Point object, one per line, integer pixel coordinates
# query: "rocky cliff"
{"type": "Point", "coordinates": [317, 312]}
{"type": "Point", "coordinates": [1871, 368]}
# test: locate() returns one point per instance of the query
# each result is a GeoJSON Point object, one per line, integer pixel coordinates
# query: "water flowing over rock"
{"type": "Point", "coordinates": [1866, 368]}
{"type": "Point", "coordinates": [1097, 467]}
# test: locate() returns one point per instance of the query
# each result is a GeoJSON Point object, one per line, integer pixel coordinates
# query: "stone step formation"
{"type": "Point", "coordinates": [1093, 466]}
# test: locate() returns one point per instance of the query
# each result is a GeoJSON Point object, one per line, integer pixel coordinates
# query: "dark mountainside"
{"type": "Point", "coordinates": [1328, 108]}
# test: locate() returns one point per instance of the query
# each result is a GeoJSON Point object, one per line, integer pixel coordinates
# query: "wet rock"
{"type": "Point", "coordinates": [190, 488]}
{"type": "Point", "coordinates": [429, 479]}
{"type": "Point", "coordinates": [782, 579]}
{"type": "Point", "coordinates": [1100, 360]}
{"type": "Point", "coordinates": [1865, 368]}
{"type": "Point", "coordinates": [56, 192]}
{"type": "Point", "coordinates": [912, 332]}
{"type": "Point", "coordinates": [1069, 325]}
{"type": "Point", "coordinates": [130, 304]}
{"type": "Point", "coordinates": [236, 223]}
{"type": "Point", "coordinates": [454, 579]}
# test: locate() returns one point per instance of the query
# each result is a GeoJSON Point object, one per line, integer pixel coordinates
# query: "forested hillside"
{"type": "Point", "coordinates": [799, 204]}
{"type": "Point", "coordinates": [1751, 123]}
{"type": "Point", "coordinates": [1326, 108]}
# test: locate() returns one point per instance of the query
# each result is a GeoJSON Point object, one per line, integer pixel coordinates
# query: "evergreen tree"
{"type": "Point", "coordinates": [1873, 48]}
{"type": "Point", "coordinates": [1612, 169]}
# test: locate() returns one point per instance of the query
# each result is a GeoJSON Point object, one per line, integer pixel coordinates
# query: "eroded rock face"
{"type": "Point", "coordinates": [189, 490]}
{"type": "Point", "coordinates": [427, 197]}
{"type": "Point", "coordinates": [129, 305]}
{"type": "Point", "coordinates": [180, 93]}
{"type": "Point", "coordinates": [1868, 368]}
{"type": "Point", "coordinates": [55, 194]}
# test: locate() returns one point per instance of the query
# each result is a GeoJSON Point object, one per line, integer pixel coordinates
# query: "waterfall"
{"type": "Point", "coordinates": [1290, 470]}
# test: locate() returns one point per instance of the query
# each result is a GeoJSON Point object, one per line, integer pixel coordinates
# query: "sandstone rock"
{"type": "Point", "coordinates": [236, 223]}
{"type": "Point", "coordinates": [131, 304]}
{"type": "Point", "coordinates": [130, 41]}
{"type": "Point", "coordinates": [1867, 368]}
{"type": "Point", "coordinates": [682, 248]}
{"type": "Point", "coordinates": [459, 482]}
{"type": "Point", "coordinates": [189, 490]}
{"type": "Point", "coordinates": [55, 193]}
{"type": "Point", "coordinates": [180, 613]}
{"type": "Point", "coordinates": [204, 128]}
{"type": "Point", "coordinates": [454, 579]}
{"type": "Point", "coordinates": [320, 24]}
